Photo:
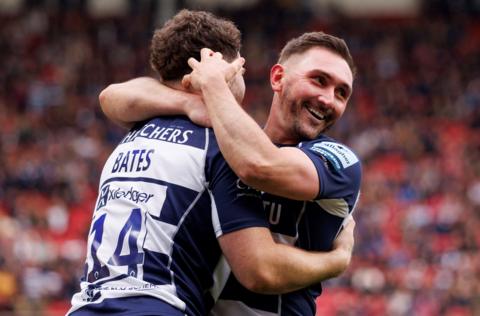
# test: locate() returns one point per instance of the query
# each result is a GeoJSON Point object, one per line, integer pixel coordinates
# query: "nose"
{"type": "Point", "coordinates": [327, 96]}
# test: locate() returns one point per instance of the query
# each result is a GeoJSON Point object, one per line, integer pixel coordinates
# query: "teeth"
{"type": "Point", "coordinates": [319, 115]}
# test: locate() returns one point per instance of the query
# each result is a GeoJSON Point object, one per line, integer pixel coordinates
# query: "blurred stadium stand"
{"type": "Point", "coordinates": [414, 119]}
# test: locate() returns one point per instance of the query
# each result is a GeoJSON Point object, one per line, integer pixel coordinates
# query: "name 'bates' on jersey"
{"type": "Point", "coordinates": [311, 225]}
{"type": "Point", "coordinates": [165, 195]}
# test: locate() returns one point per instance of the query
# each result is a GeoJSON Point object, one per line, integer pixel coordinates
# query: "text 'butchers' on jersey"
{"type": "Point", "coordinates": [176, 131]}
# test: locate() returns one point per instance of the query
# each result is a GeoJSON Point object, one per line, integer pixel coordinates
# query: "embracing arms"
{"type": "Point", "coordinates": [263, 266]}
{"type": "Point", "coordinates": [254, 158]}
{"type": "Point", "coordinates": [257, 261]}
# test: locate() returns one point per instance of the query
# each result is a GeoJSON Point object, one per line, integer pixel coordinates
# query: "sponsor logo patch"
{"type": "Point", "coordinates": [338, 155]}
{"type": "Point", "coordinates": [108, 194]}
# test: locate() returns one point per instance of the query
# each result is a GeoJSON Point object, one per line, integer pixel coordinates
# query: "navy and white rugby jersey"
{"type": "Point", "coordinates": [311, 225]}
{"type": "Point", "coordinates": [165, 196]}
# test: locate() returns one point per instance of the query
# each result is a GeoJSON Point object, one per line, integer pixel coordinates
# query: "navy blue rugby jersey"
{"type": "Point", "coordinates": [311, 225]}
{"type": "Point", "coordinates": [165, 196]}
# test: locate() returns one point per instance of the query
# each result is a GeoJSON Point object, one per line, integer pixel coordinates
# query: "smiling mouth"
{"type": "Point", "coordinates": [315, 113]}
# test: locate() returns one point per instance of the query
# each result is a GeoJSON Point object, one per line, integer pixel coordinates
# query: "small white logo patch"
{"type": "Point", "coordinates": [339, 155]}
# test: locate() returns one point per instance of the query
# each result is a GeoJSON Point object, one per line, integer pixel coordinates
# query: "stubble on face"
{"type": "Point", "coordinates": [309, 99]}
{"type": "Point", "coordinates": [300, 124]}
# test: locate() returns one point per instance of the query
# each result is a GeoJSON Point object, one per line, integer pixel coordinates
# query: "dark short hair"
{"type": "Point", "coordinates": [184, 35]}
{"type": "Point", "coordinates": [306, 41]}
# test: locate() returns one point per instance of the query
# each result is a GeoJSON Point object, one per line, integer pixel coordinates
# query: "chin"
{"type": "Point", "coordinates": [304, 134]}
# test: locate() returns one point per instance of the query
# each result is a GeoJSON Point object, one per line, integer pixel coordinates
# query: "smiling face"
{"type": "Point", "coordinates": [312, 90]}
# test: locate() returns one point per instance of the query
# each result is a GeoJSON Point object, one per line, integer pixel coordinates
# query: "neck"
{"type": "Point", "coordinates": [174, 84]}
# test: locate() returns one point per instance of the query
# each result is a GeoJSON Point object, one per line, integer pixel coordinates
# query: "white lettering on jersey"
{"type": "Point", "coordinates": [274, 210]}
{"type": "Point", "coordinates": [152, 131]}
{"type": "Point", "coordinates": [133, 161]}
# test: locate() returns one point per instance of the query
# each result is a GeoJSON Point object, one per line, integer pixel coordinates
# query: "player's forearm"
{"type": "Point", "coordinates": [301, 268]}
{"type": "Point", "coordinates": [243, 143]}
{"type": "Point", "coordinates": [251, 154]}
{"type": "Point", "coordinates": [298, 269]}
{"type": "Point", "coordinates": [263, 266]}
{"type": "Point", "coordinates": [139, 99]}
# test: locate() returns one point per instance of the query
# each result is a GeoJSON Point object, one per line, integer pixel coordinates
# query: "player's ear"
{"type": "Point", "coordinates": [276, 77]}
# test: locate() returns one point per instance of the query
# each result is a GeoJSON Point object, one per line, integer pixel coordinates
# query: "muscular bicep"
{"type": "Point", "coordinates": [316, 169]}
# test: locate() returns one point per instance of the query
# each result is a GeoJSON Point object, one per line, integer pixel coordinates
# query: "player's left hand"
{"type": "Point", "coordinates": [211, 66]}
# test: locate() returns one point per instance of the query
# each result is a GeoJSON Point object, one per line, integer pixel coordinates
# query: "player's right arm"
{"type": "Point", "coordinates": [265, 267]}
{"type": "Point", "coordinates": [141, 98]}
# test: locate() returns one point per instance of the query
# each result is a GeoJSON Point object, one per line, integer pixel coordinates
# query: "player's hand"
{"type": "Point", "coordinates": [211, 67]}
{"type": "Point", "coordinates": [345, 240]}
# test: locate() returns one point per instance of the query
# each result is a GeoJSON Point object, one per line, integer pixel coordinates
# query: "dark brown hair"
{"type": "Point", "coordinates": [306, 41]}
{"type": "Point", "coordinates": [184, 35]}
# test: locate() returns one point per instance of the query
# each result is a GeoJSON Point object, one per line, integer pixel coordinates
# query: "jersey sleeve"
{"type": "Point", "coordinates": [235, 206]}
{"type": "Point", "coordinates": [339, 170]}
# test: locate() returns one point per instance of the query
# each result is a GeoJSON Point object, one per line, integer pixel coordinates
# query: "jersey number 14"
{"type": "Point", "coordinates": [132, 228]}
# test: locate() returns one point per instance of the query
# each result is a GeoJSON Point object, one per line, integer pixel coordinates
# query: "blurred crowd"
{"type": "Point", "coordinates": [414, 119]}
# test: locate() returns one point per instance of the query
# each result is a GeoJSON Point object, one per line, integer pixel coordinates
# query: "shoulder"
{"type": "Point", "coordinates": [338, 167]}
{"type": "Point", "coordinates": [338, 155]}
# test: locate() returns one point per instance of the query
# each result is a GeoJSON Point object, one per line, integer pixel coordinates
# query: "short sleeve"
{"type": "Point", "coordinates": [235, 206]}
{"type": "Point", "coordinates": [338, 168]}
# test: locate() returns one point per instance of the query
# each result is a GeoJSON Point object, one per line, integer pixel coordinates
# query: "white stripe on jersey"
{"type": "Point", "coordinates": [236, 308]}
{"type": "Point", "coordinates": [220, 277]}
{"type": "Point", "coordinates": [337, 207]}
{"type": "Point", "coordinates": [160, 236]}
{"type": "Point", "coordinates": [217, 228]}
{"type": "Point", "coordinates": [284, 239]}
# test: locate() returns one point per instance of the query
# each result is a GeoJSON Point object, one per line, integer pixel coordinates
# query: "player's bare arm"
{"type": "Point", "coordinates": [285, 172]}
{"type": "Point", "coordinates": [265, 267]}
{"type": "Point", "coordinates": [141, 98]}
{"type": "Point", "coordinates": [255, 159]}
